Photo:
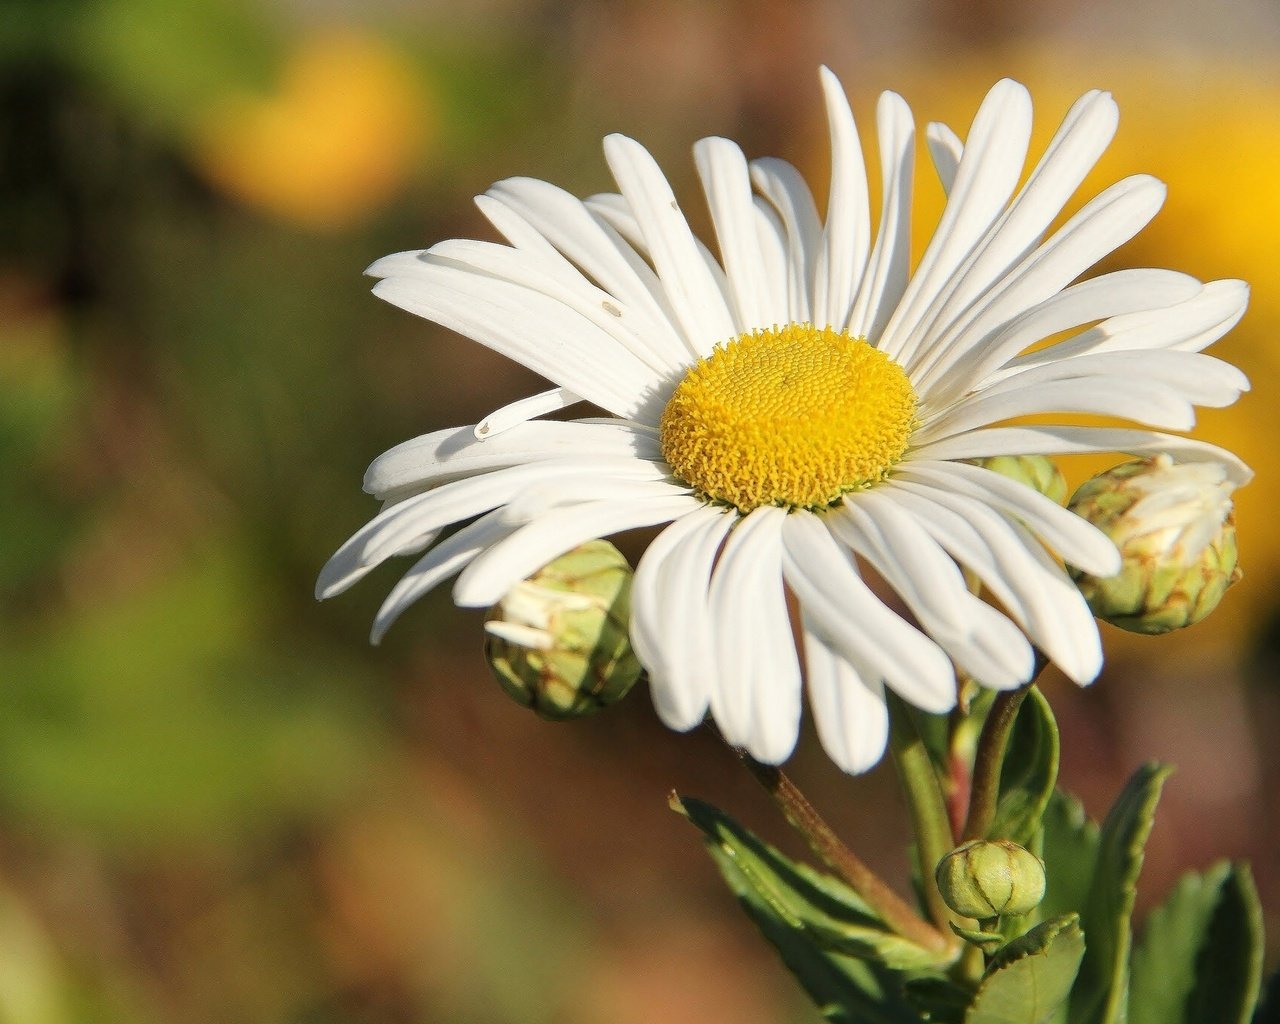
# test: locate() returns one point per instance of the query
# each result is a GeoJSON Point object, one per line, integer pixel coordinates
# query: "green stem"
{"type": "Point", "coordinates": [926, 803]}
{"type": "Point", "coordinates": [892, 909]}
{"type": "Point", "coordinates": [989, 760]}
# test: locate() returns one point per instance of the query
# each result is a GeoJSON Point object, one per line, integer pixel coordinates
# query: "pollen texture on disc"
{"type": "Point", "coordinates": [793, 416]}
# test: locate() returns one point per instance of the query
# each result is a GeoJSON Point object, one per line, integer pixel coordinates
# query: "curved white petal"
{"type": "Point", "coordinates": [846, 236]}
{"type": "Point", "coordinates": [414, 465]}
{"type": "Point", "coordinates": [850, 714]}
{"type": "Point", "coordinates": [693, 291]}
{"type": "Point", "coordinates": [945, 150]}
{"type": "Point", "coordinates": [445, 559]}
{"type": "Point", "coordinates": [535, 330]}
{"type": "Point", "coordinates": [1053, 440]}
{"type": "Point", "coordinates": [1018, 571]}
{"type": "Point", "coordinates": [558, 530]}
{"type": "Point", "coordinates": [984, 643]}
{"type": "Point", "coordinates": [727, 184]}
{"type": "Point", "coordinates": [785, 188]}
{"type": "Point", "coordinates": [670, 618]}
{"type": "Point", "coordinates": [1076, 540]}
{"type": "Point", "coordinates": [985, 179]}
{"type": "Point", "coordinates": [888, 270]}
{"type": "Point", "coordinates": [852, 620]}
{"type": "Point", "coordinates": [756, 697]}
{"type": "Point", "coordinates": [523, 410]}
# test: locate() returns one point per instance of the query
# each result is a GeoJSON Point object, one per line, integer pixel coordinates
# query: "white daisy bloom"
{"type": "Point", "coordinates": [800, 411]}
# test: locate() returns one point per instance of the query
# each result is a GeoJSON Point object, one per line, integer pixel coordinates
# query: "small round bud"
{"type": "Point", "coordinates": [558, 643]}
{"type": "Point", "coordinates": [1175, 528]}
{"type": "Point", "coordinates": [987, 878]}
{"type": "Point", "coordinates": [1036, 471]}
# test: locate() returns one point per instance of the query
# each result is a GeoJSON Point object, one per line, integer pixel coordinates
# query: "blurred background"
{"type": "Point", "coordinates": [217, 802]}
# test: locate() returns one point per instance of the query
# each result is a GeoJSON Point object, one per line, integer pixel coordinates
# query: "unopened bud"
{"type": "Point", "coordinates": [1175, 528]}
{"type": "Point", "coordinates": [1036, 471]}
{"type": "Point", "coordinates": [558, 641]}
{"type": "Point", "coordinates": [986, 878]}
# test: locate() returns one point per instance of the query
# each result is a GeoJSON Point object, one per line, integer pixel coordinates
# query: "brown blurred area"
{"type": "Point", "coordinates": [217, 803]}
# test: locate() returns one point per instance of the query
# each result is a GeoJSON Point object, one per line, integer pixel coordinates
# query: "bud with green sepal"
{"type": "Point", "coordinates": [1175, 528]}
{"type": "Point", "coordinates": [991, 878]}
{"type": "Point", "coordinates": [558, 641]}
{"type": "Point", "coordinates": [1036, 471]}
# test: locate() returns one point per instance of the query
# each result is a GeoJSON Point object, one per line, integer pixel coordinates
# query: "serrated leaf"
{"type": "Point", "coordinates": [1101, 997]}
{"type": "Point", "coordinates": [1029, 772]}
{"type": "Point", "coordinates": [822, 906]}
{"type": "Point", "coordinates": [1200, 959]}
{"type": "Point", "coordinates": [1030, 977]}
{"type": "Point", "coordinates": [1069, 849]}
{"type": "Point", "coordinates": [780, 897]}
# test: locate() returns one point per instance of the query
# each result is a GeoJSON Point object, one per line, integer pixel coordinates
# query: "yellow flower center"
{"type": "Point", "coordinates": [793, 416]}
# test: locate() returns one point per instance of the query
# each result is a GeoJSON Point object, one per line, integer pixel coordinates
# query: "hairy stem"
{"type": "Point", "coordinates": [825, 844]}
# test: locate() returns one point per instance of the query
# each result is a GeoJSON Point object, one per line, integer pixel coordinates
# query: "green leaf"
{"type": "Point", "coordinates": [1269, 1004]}
{"type": "Point", "coordinates": [1028, 979]}
{"type": "Point", "coordinates": [1200, 959]}
{"type": "Point", "coordinates": [826, 935]}
{"type": "Point", "coordinates": [1029, 772]}
{"type": "Point", "coordinates": [819, 904]}
{"type": "Point", "coordinates": [1101, 997]}
{"type": "Point", "coordinates": [1069, 849]}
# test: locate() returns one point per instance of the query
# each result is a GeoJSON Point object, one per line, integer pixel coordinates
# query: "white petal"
{"type": "Point", "coordinates": [846, 237]}
{"type": "Point", "coordinates": [535, 330]}
{"type": "Point", "coordinates": [786, 189]}
{"type": "Point", "coordinates": [694, 293]}
{"type": "Point", "coordinates": [491, 575]}
{"type": "Point", "coordinates": [727, 184]}
{"type": "Point", "coordinates": [756, 698]}
{"type": "Point", "coordinates": [772, 236]}
{"type": "Point", "coordinates": [539, 498]}
{"type": "Point", "coordinates": [988, 172]}
{"type": "Point", "coordinates": [1110, 295]}
{"type": "Point", "coordinates": [603, 256]}
{"type": "Point", "coordinates": [1187, 326]}
{"type": "Point", "coordinates": [400, 528]}
{"type": "Point", "coordinates": [431, 459]}
{"type": "Point", "coordinates": [446, 559]}
{"type": "Point", "coordinates": [945, 150]}
{"type": "Point", "coordinates": [1076, 540]}
{"type": "Point", "coordinates": [850, 714]}
{"type": "Point", "coordinates": [670, 622]}
{"type": "Point", "coordinates": [524, 410]}
{"type": "Point", "coordinates": [1032, 440]}
{"type": "Point", "coordinates": [1085, 133]}
{"type": "Point", "coordinates": [855, 622]}
{"type": "Point", "coordinates": [1017, 570]}
{"type": "Point", "coordinates": [1103, 225]}
{"type": "Point", "coordinates": [984, 643]}
{"type": "Point", "coordinates": [1143, 400]}
{"type": "Point", "coordinates": [887, 273]}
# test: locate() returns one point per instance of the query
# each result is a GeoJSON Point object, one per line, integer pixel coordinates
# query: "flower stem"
{"type": "Point", "coordinates": [989, 759]}
{"type": "Point", "coordinates": [926, 803]}
{"type": "Point", "coordinates": [823, 841]}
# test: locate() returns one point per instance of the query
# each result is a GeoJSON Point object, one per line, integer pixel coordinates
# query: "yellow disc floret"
{"type": "Point", "coordinates": [793, 416]}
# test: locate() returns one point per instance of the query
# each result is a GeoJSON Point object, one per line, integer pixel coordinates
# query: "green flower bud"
{"type": "Point", "coordinates": [986, 878]}
{"type": "Point", "coordinates": [558, 642]}
{"type": "Point", "coordinates": [1036, 471]}
{"type": "Point", "coordinates": [1175, 528]}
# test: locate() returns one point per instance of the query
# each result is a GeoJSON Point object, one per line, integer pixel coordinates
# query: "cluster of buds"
{"type": "Point", "coordinates": [558, 641]}
{"type": "Point", "coordinates": [1175, 528]}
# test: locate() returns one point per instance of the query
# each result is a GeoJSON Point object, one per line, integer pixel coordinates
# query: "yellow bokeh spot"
{"type": "Point", "coordinates": [331, 145]}
{"type": "Point", "coordinates": [793, 416]}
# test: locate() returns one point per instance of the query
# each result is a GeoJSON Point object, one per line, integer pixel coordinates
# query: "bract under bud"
{"type": "Point", "coordinates": [986, 878]}
{"type": "Point", "coordinates": [558, 641]}
{"type": "Point", "coordinates": [1175, 528]}
{"type": "Point", "coordinates": [1036, 471]}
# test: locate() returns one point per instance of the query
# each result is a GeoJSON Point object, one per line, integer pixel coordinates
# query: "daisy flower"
{"type": "Point", "coordinates": [802, 410]}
